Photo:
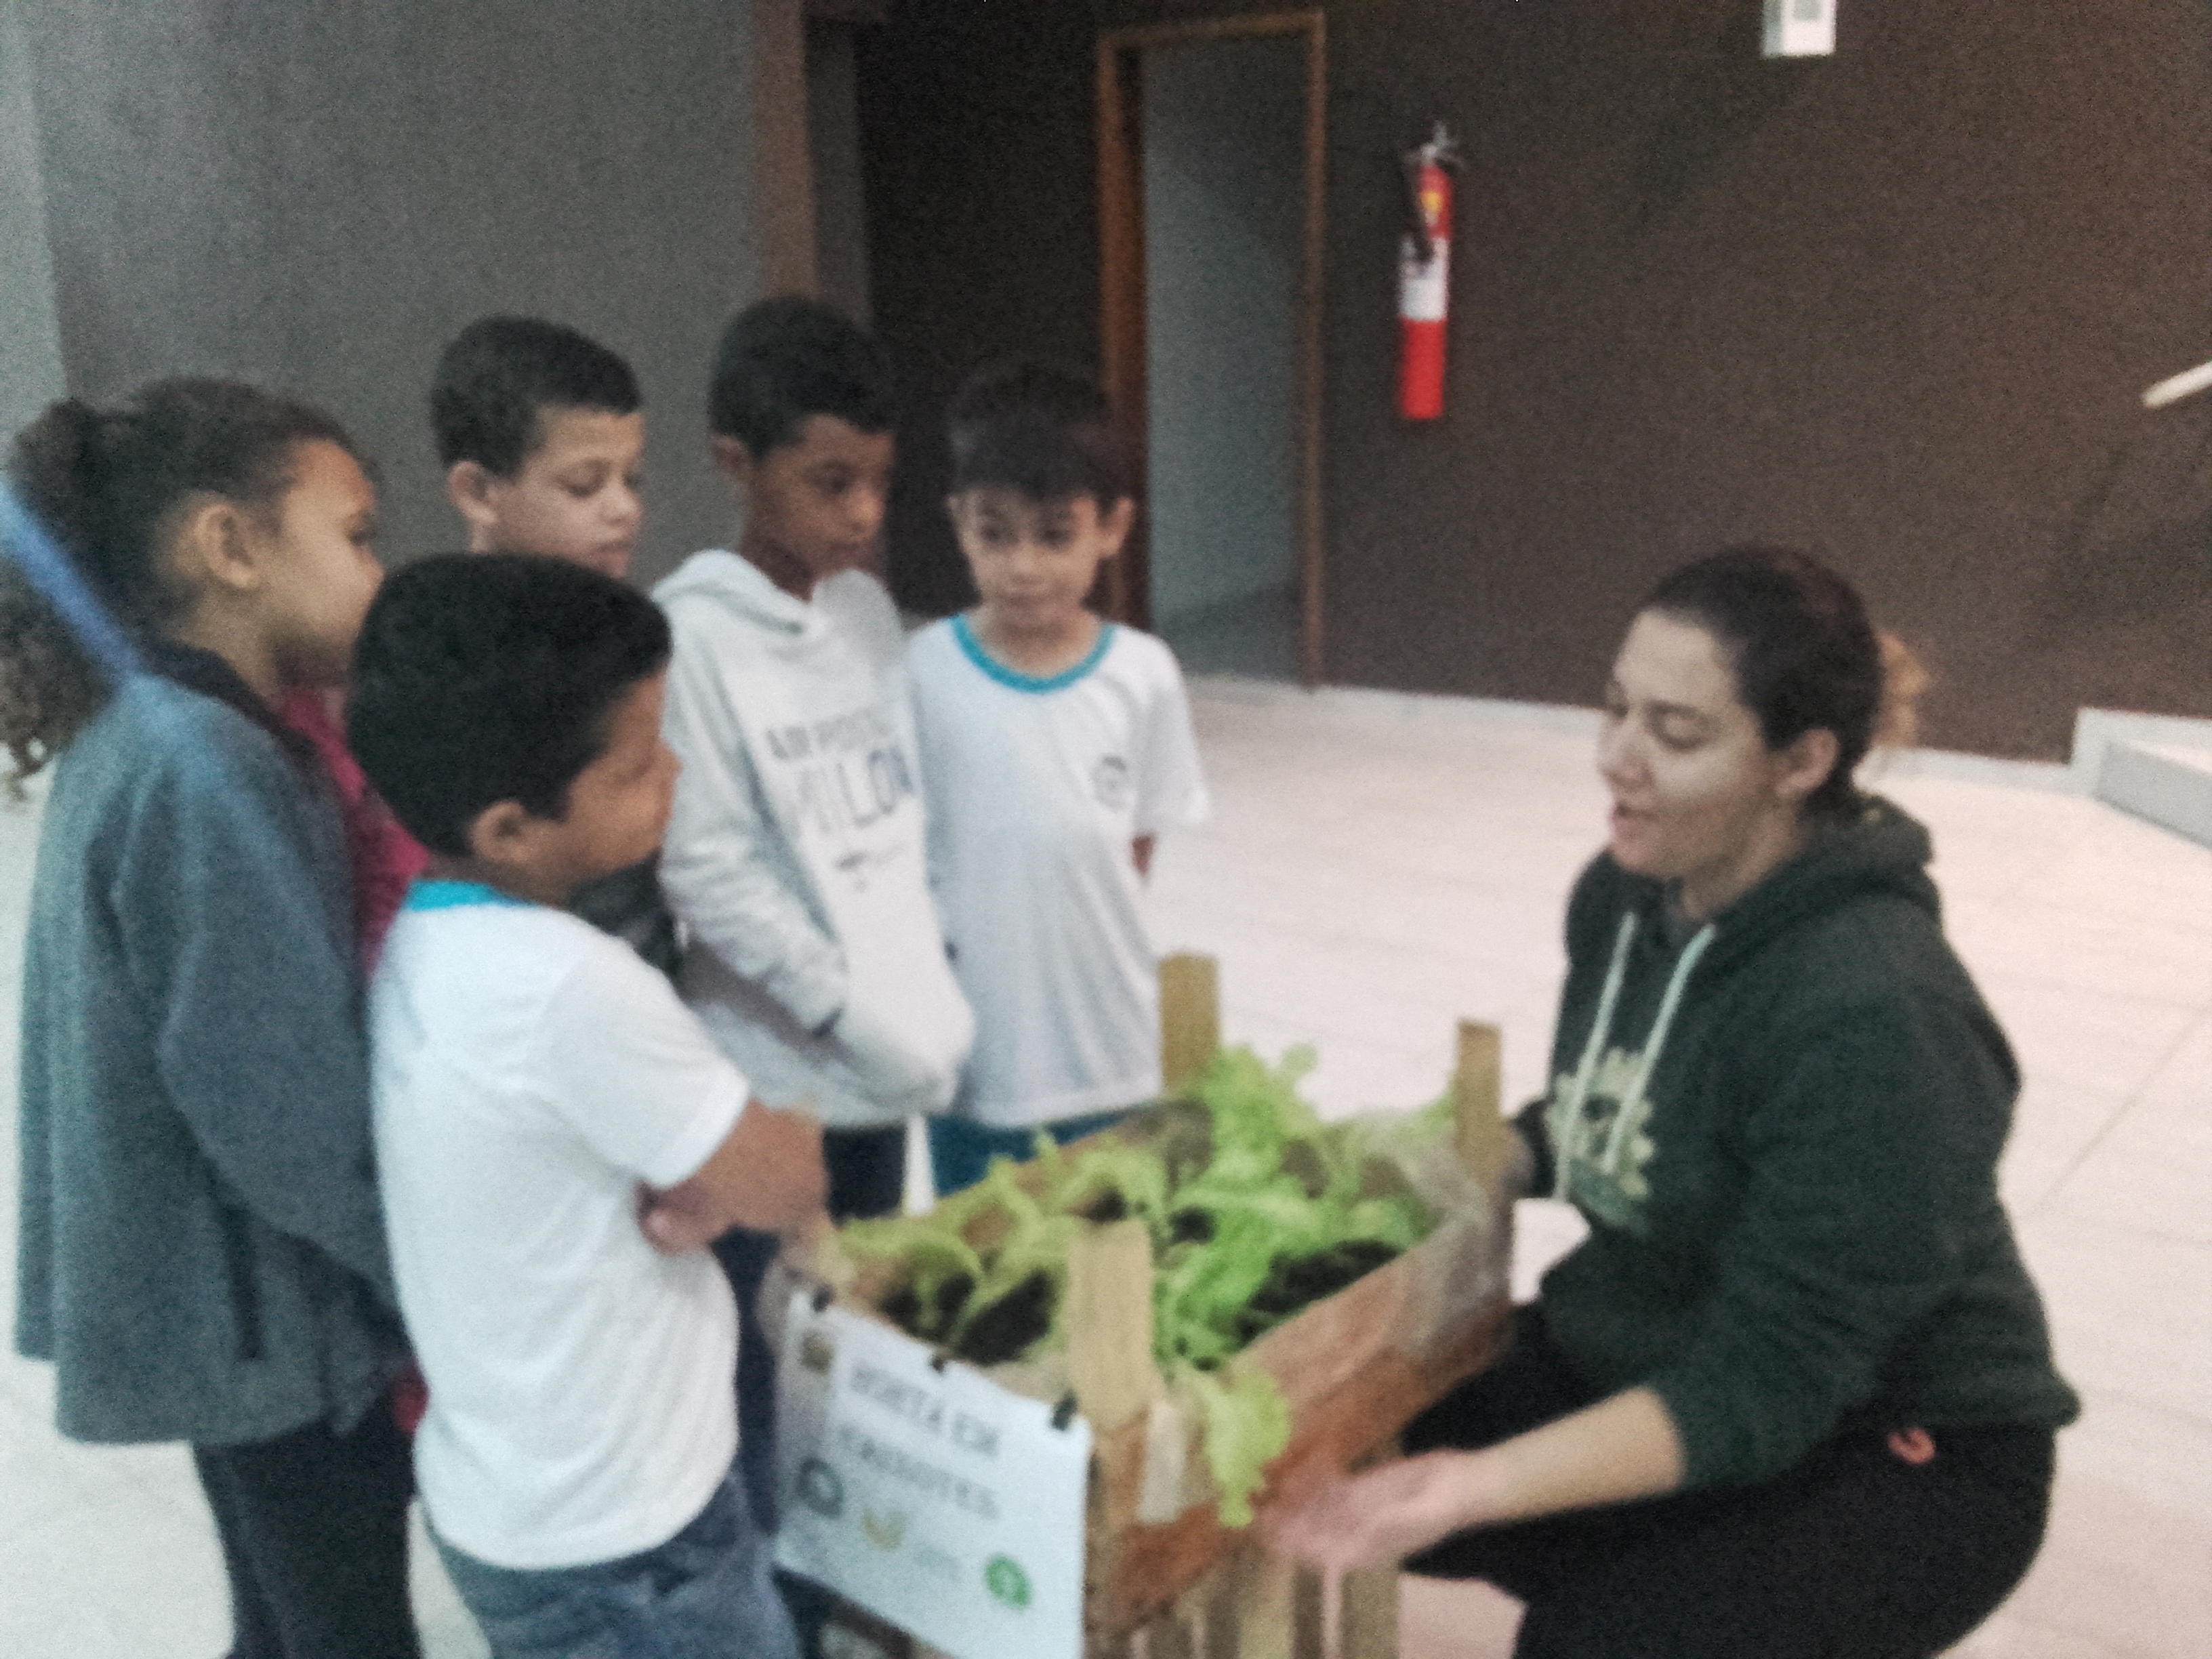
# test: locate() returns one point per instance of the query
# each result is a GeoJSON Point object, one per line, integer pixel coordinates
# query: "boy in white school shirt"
{"type": "Point", "coordinates": [557, 1138]}
{"type": "Point", "coordinates": [1056, 747]}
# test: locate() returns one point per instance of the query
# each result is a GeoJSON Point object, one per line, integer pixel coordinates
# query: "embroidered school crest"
{"type": "Point", "coordinates": [1109, 781]}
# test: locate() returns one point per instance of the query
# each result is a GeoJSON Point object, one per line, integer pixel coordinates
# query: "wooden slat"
{"type": "Point", "coordinates": [1309, 1634]}
{"type": "Point", "coordinates": [1171, 1636]}
{"type": "Point", "coordinates": [1190, 1019]}
{"type": "Point", "coordinates": [1367, 1614]}
{"type": "Point", "coordinates": [1486, 1140]}
{"type": "Point", "coordinates": [1110, 1324]}
{"type": "Point", "coordinates": [1145, 1568]}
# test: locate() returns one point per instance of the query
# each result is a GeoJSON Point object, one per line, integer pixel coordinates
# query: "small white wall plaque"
{"type": "Point", "coordinates": [1800, 28]}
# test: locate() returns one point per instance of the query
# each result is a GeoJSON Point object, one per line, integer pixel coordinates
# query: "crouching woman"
{"type": "Point", "coordinates": [1793, 1396]}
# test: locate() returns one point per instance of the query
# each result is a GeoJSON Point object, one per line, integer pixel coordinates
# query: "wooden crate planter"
{"type": "Point", "coordinates": [1355, 1369]}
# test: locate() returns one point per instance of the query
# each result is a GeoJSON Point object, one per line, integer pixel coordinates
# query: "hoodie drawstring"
{"type": "Point", "coordinates": [1630, 1110]}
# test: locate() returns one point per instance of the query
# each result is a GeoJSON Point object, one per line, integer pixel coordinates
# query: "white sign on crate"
{"type": "Point", "coordinates": [933, 1497]}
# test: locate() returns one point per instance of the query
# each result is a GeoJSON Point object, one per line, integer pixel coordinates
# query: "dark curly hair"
{"type": "Point", "coordinates": [498, 377]}
{"type": "Point", "coordinates": [784, 359]}
{"type": "Point", "coordinates": [1044, 432]}
{"type": "Point", "coordinates": [106, 484]}
{"type": "Point", "coordinates": [483, 677]}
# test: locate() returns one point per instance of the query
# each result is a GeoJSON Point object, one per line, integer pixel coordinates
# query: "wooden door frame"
{"type": "Point", "coordinates": [1122, 310]}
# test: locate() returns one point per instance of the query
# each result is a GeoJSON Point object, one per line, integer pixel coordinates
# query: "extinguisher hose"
{"type": "Point", "coordinates": [1417, 224]}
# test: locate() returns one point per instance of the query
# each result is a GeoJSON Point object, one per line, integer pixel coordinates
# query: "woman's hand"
{"type": "Point", "coordinates": [1371, 1519]}
{"type": "Point", "coordinates": [1623, 1448]}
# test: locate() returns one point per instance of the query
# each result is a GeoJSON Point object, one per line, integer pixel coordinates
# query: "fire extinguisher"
{"type": "Point", "coordinates": [1424, 278]}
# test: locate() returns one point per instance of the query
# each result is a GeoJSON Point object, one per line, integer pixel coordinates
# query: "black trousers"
{"type": "Point", "coordinates": [868, 1177]}
{"type": "Point", "coordinates": [1855, 1553]}
{"type": "Point", "coordinates": [314, 1526]}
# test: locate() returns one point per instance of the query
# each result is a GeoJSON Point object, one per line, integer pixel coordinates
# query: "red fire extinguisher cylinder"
{"type": "Point", "coordinates": [1424, 294]}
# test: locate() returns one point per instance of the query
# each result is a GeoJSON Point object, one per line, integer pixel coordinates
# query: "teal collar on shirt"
{"type": "Point", "coordinates": [430, 894]}
{"type": "Point", "coordinates": [972, 649]}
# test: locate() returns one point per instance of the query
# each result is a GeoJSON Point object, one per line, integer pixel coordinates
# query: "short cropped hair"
{"type": "Point", "coordinates": [500, 376]}
{"type": "Point", "coordinates": [1044, 432]}
{"type": "Point", "coordinates": [487, 678]}
{"type": "Point", "coordinates": [786, 359]}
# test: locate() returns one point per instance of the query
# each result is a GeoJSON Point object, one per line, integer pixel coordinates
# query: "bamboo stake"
{"type": "Point", "coordinates": [1190, 1017]}
{"type": "Point", "coordinates": [1484, 1137]}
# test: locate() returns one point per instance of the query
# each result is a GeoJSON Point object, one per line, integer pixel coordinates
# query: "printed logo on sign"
{"type": "Point", "coordinates": [1109, 781]}
{"type": "Point", "coordinates": [820, 1489]}
{"type": "Point", "coordinates": [937, 1564]}
{"type": "Point", "coordinates": [885, 1532]}
{"type": "Point", "coordinates": [1006, 1582]}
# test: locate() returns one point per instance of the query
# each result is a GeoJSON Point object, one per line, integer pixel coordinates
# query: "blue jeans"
{"type": "Point", "coordinates": [960, 1150]}
{"type": "Point", "coordinates": [705, 1594]}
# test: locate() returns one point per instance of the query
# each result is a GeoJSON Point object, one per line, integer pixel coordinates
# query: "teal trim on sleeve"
{"type": "Point", "coordinates": [435, 895]}
{"type": "Point", "coordinates": [972, 649]}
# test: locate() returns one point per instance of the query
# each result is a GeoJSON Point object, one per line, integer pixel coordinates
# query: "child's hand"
{"type": "Point", "coordinates": [680, 1220]}
{"type": "Point", "coordinates": [896, 1076]}
{"type": "Point", "coordinates": [766, 1174]}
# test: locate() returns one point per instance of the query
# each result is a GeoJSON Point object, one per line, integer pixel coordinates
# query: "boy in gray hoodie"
{"type": "Point", "coordinates": [795, 856]}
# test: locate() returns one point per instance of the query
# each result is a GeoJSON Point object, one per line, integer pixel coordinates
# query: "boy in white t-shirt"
{"type": "Point", "coordinates": [557, 1137]}
{"type": "Point", "coordinates": [1055, 748]}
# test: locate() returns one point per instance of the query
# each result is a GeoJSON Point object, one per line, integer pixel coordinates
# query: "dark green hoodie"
{"type": "Point", "coordinates": [1783, 1130]}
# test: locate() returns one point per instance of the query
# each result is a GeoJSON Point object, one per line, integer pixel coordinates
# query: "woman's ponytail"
{"type": "Point", "coordinates": [1905, 681]}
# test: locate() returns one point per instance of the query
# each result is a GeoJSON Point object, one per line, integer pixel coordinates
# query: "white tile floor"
{"type": "Point", "coordinates": [1376, 868]}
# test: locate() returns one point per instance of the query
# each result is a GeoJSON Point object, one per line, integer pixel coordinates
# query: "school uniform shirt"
{"type": "Point", "coordinates": [795, 856]}
{"type": "Point", "coordinates": [1037, 788]}
{"type": "Point", "coordinates": [529, 1073]}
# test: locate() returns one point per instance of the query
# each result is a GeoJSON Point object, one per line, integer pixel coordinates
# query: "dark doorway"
{"type": "Point", "coordinates": [1210, 157]}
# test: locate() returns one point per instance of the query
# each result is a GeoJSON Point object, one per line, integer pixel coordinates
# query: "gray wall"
{"type": "Point", "coordinates": [316, 195]}
{"type": "Point", "coordinates": [1224, 160]}
{"type": "Point", "coordinates": [30, 340]}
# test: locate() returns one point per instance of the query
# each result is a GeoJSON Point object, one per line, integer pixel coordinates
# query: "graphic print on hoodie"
{"type": "Point", "coordinates": [1599, 1115]}
{"type": "Point", "coordinates": [796, 852]}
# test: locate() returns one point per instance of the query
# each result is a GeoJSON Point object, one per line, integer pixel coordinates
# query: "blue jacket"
{"type": "Point", "coordinates": [201, 1253]}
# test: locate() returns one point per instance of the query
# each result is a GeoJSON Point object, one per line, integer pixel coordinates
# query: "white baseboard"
{"type": "Point", "coordinates": [2096, 728]}
{"type": "Point", "coordinates": [1363, 706]}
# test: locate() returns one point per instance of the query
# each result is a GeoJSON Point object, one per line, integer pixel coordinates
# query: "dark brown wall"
{"type": "Point", "coordinates": [977, 155]}
{"type": "Point", "coordinates": [1897, 305]}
